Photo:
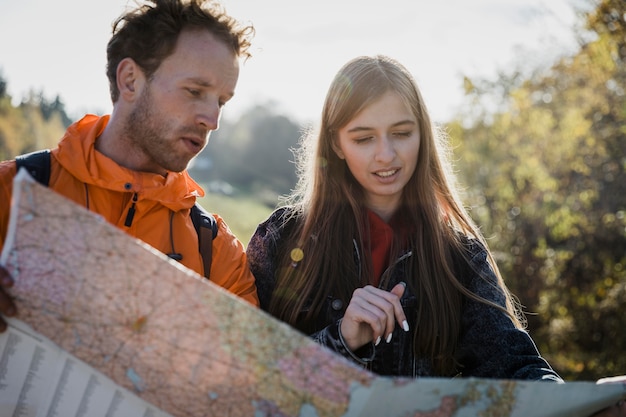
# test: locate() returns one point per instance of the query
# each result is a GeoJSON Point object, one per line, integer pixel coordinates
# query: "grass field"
{"type": "Point", "coordinates": [242, 214]}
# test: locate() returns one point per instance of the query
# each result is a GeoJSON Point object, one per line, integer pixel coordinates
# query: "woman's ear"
{"type": "Point", "coordinates": [337, 150]}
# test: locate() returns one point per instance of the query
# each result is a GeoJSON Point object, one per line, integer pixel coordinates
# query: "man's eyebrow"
{"type": "Point", "coordinates": [204, 83]}
{"type": "Point", "coordinates": [200, 81]}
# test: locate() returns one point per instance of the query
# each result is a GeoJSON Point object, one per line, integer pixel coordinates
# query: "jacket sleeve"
{"type": "Point", "coordinates": [229, 265]}
{"type": "Point", "coordinates": [262, 256]}
{"type": "Point", "coordinates": [330, 337]}
{"type": "Point", "coordinates": [491, 346]}
{"type": "Point", "coordinates": [7, 172]}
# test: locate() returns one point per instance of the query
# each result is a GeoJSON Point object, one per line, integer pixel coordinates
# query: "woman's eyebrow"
{"type": "Point", "coordinates": [400, 123]}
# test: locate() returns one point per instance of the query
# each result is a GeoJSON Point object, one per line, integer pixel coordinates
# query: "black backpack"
{"type": "Point", "coordinates": [38, 165]}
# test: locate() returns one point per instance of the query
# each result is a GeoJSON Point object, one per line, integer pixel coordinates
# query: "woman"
{"type": "Point", "coordinates": [376, 257]}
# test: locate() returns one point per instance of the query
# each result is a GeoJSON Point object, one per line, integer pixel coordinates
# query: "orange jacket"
{"type": "Point", "coordinates": [91, 179]}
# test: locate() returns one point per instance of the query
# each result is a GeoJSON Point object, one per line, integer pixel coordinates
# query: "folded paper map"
{"type": "Point", "coordinates": [108, 326]}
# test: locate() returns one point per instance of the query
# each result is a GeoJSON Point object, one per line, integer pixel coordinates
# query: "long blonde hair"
{"type": "Point", "coordinates": [317, 259]}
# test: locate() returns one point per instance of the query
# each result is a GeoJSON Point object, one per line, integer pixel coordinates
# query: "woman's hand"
{"type": "Point", "coordinates": [371, 316]}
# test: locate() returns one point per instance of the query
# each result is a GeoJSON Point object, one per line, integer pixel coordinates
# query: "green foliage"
{"type": "Point", "coordinates": [3, 86]}
{"type": "Point", "coordinates": [546, 181]}
{"type": "Point", "coordinates": [242, 213]}
{"type": "Point", "coordinates": [35, 124]}
{"type": "Point", "coordinates": [543, 174]}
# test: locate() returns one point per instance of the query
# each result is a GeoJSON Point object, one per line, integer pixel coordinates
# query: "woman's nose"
{"type": "Point", "coordinates": [385, 151]}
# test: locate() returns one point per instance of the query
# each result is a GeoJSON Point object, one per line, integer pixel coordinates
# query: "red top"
{"type": "Point", "coordinates": [381, 242]}
{"type": "Point", "coordinates": [380, 245]}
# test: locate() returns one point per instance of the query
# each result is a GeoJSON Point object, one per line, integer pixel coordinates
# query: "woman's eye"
{"type": "Point", "coordinates": [193, 92]}
{"type": "Point", "coordinates": [403, 134]}
{"type": "Point", "coordinates": [362, 139]}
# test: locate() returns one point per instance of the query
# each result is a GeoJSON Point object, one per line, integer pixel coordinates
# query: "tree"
{"type": "Point", "coordinates": [3, 86]}
{"type": "Point", "coordinates": [548, 185]}
{"type": "Point", "coordinates": [254, 154]}
{"type": "Point", "coordinates": [52, 108]}
{"type": "Point", "coordinates": [26, 128]}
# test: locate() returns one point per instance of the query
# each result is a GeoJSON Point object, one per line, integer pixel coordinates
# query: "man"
{"type": "Point", "coordinates": [172, 65]}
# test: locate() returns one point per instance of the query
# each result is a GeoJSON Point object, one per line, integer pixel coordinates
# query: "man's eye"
{"type": "Point", "coordinates": [193, 92]}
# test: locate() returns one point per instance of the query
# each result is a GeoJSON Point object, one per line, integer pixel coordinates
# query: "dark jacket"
{"type": "Point", "coordinates": [490, 346]}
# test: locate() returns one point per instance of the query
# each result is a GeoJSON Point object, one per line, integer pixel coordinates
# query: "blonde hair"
{"type": "Point", "coordinates": [331, 204]}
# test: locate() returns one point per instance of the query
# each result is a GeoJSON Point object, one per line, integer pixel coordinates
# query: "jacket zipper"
{"type": "Point", "coordinates": [385, 275]}
{"type": "Point", "coordinates": [131, 212]}
{"type": "Point", "coordinates": [358, 257]}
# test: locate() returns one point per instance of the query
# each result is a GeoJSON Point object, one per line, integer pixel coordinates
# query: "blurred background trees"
{"type": "Point", "coordinates": [255, 154]}
{"type": "Point", "coordinates": [540, 154]}
{"type": "Point", "coordinates": [35, 123]}
{"type": "Point", "coordinates": [544, 174]}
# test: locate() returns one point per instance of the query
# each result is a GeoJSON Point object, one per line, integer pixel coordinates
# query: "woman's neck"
{"type": "Point", "coordinates": [384, 211]}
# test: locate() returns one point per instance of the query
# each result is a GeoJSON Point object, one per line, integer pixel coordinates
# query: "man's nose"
{"type": "Point", "coordinates": [209, 115]}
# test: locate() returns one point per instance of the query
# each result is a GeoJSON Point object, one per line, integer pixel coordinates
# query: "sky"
{"type": "Point", "coordinates": [59, 47]}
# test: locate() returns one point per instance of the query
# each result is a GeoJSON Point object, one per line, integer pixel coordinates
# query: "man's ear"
{"type": "Point", "coordinates": [130, 78]}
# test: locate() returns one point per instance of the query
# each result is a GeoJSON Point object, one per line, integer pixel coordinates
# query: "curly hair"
{"type": "Point", "coordinates": [149, 32]}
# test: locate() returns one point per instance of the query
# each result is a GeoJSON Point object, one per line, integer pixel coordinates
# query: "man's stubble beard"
{"type": "Point", "coordinates": [148, 131]}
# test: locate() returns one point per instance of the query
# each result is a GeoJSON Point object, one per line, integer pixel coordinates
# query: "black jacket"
{"type": "Point", "coordinates": [490, 346]}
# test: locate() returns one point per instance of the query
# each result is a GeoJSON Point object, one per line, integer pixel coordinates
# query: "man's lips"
{"type": "Point", "coordinates": [193, 143]}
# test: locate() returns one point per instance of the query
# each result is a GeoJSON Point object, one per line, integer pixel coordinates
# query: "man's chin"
{"type": "Point", "coordinates": [177, 167]}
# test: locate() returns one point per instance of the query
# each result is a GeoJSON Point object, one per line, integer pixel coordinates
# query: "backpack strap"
{"type": "Point", "coordinates": [37, 163]}
{"type": "Point", "coordinates": [206, 227]}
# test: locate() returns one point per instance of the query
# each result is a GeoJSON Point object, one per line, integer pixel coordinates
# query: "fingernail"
{"type": "Point", "coordinates": [389, 337]}
{"type": "Point", "coordinates": [403, 284]}
{"type": "Point", "coordinates": [377, 341]}
{"type": "Point", "coordinates": [405, 326]}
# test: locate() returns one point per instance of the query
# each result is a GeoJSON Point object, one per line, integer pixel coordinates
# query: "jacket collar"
{"type": "Point", "coordinates": [77, 154]}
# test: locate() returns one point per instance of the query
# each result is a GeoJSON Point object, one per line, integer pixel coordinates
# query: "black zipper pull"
{"type": "Point", "coordinates": [131, 212]}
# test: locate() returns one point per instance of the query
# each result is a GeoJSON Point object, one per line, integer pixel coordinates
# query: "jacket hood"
{"type": "Point", "coordinates": [77, 154]}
